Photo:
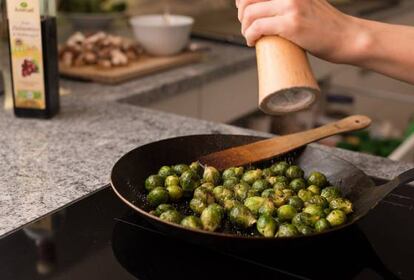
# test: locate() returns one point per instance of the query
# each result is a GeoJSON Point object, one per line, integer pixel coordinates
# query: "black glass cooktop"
{"type": "Point", "coordinates": [100, 238]}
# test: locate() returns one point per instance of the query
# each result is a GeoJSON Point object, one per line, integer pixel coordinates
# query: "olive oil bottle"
{"type": "Point", "coordinates": [33, 57]}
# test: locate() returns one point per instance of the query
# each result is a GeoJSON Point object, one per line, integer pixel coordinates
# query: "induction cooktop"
{"type": "Point", "coordinates": [98, 237]}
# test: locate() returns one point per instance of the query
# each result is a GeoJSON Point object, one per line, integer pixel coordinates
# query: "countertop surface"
{"type": "Point", "coordinates": [46, 164]}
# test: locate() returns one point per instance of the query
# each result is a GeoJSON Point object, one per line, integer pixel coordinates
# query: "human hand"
{"type": "Point", "coordinates": [314, 25]}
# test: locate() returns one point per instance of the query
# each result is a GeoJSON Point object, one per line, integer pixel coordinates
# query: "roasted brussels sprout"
{"type": "Point", "coordinates": [314, 189]}
{"type": "Point", "coordinates": [252, 176]}
{"type": "Point", "coordinates": [271, 180]}
{"type": "Point", "coordinates": [288, 193]}
{"type": "Point", "coordinates": [268, 193]}
{"type": "Point", "coordinates": [296, 202]}
{"type": "Point", "coordinates": [297, 184]}
{"type": "Point", "coordinates": [317, 179]}
{"type": "Point", "coordinates": [267, 172]}
{"type": "Point", "coordinates": [318, 200]}
{"type": "Point", "coordinates": [233, 172]}
{"type": "Point", "coordinates": [211, 175]}
{"type": "Point", "coordinates": [228, 173]}
{"type": "Point", "coordinates": [208, 186]}
{"type": "Point", "coordinates": [157, 196]}
{"type": "Point", "coordinates": [221, 194]}
{"type": "Point", "coordinates": [238, 171]}
{"type": "Point", "coordinates": [192, 222]}
{"type": "Point", "coordinates": [280, 186]}
{"type": "Point", "coordinates": [172, 180]}
{"type": "Point", "coordinates": [260, 185]}
{"type": "Point", "coordinates": [204, 194]}
{"type": "Point", "coordinates": [218, 208]}
{"type": "Point", "coordinates": [198, 205]}
{"type": "Point", "coordinates": [254, 203]}
{"type": "Point", "coordinates": [241, 216]}
{"type": "Point", "coordinates": [153, 181]}
{"type": "Point", "coordinates": [304, 219]}
{"type": "Point", "coordinates": [282, 196]}
{"type": "Point", "coordinates": [336, 217]}
{"type": "Point", "coordinates": [230, 182]}
{"type": "Point", "coordinates": [267, 208]}
{"type": "Point", "coordinates": [294, 172]}
{"type": "Point", "coordinates": [287, 230]}
{"type": "Point", "coordinates": [179, 169]}
{"type": "Point", "coordinates": [162, 208]}
{"type": "Point", "coordinates": [305, 230]}
{"type": "Point", "coordinates": [172, 216]}
{"type": "Point", "coordinates": [279, 200]}
{"type": "Point", "coordinates": [189, 181]}
{"type": "Point", "coordinates": [266, 226]}
{"type": "Point", "coordinates": [342, 204]}
{"type": "Point", "coordinates": [252, 192]}
{"type": "Point", "coordinates": [241, 190]}
{"type": "Point", "coordinates": [211, 217]}
{"type": "Point", "coordinates": [322, 225]}
{"type": "Point", "coordinates": [286, 212]}
{"type": "Point", "coordinates": [314, 210]}
{"type": "Point", "coordinates": [282, 179]}
{"type": "Point", "coordinates": [305, 195]}
{"type": "Point", "coordinates": [197, 168]}
{"type": "Point", "coordinates": [175, 192]}
{"type": "Point", "coordinates": [330, 193]}
{"type": "Point", "coordinates": [230, 203]}
{"type": "Point", "coordinates": [280, 168]}
{"type": "Point", "coordinates": [165, 171]}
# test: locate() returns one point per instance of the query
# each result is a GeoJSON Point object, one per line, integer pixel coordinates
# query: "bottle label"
{"type": "Point", "coordinates": [26, 53]}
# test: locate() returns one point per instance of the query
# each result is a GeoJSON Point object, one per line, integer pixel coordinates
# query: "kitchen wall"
{"type": "Point", "coordinates": [190, 7]}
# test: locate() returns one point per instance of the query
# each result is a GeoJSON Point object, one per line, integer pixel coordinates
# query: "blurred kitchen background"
{"type": "Point", "coordinates": [346, 90]}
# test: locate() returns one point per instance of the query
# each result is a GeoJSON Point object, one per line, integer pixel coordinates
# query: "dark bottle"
{"type": "Point", "coordinates": [33, 57]}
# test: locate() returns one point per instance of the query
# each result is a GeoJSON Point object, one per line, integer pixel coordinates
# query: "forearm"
{"type": "Point", "coordinates": [384, 48]}
{"type": "Point", "coordinates": [324, 31]}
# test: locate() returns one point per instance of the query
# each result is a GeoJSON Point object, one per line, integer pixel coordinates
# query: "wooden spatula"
{"type": "Point", "coordinates": [270, 148]}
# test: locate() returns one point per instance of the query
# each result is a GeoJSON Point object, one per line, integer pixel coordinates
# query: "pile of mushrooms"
{"type": "Point", "coordinates": [101, 49]}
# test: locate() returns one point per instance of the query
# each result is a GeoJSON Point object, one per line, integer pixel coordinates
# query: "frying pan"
{"type": "Point", "coordinates": [131, 170]}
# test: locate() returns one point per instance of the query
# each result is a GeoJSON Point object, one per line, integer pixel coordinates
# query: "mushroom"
{"type": "Point", "coordinates": [90, 58]}
{"type": "Point", "coordinates": [100, 49]}
{"type": "Point", "coordinates": [118, 58]}
{"type": "Point", "coordinates": [104, 63]}
{"type": "Point", "coordinates": [67, 58]}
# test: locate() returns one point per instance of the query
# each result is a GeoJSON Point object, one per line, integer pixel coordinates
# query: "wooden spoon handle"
{"type": "Point", "coordinates": [286, 81]}
{"type": "Point", "coordinates": [292, 141]}
{"type": "Point", "coordinates": [273, 147]}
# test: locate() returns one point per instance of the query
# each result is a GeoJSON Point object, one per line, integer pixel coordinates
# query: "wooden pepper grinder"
{"type": "Point", "coordinates": [286, 81]}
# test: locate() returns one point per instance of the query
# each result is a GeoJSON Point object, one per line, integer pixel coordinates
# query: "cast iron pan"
{"type": "Point", "coordinates": [129, 173]}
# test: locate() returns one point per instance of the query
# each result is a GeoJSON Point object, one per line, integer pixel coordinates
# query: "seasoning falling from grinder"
{"type": "Point", "coordinates": [286, 81]}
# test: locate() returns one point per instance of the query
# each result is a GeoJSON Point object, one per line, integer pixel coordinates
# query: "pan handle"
{"type": "Point", "coordinates": [404, 178]}
{"type": "Point", "coordinates": [369, 200]}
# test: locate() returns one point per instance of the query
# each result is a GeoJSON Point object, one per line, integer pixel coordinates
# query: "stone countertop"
{"type": "Point", "coordinates": [46, 164]}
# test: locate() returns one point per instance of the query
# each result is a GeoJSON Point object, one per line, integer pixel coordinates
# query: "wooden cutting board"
{"type": "Point", "coordinates": [143, 66]}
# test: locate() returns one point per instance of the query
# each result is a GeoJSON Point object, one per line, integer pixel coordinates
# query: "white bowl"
{"type": "Point", "coordinates": [162, 35]}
